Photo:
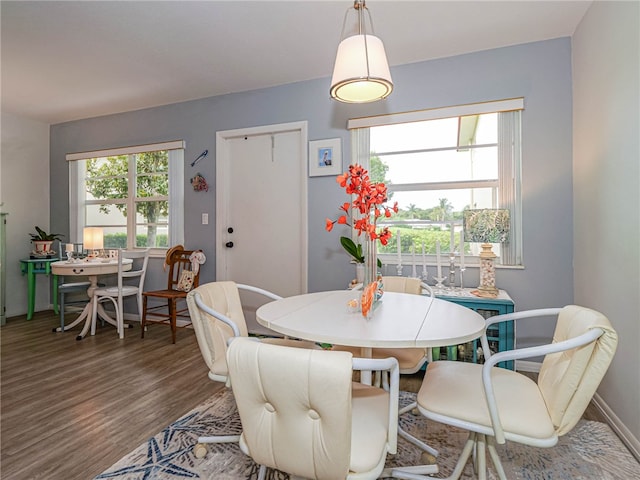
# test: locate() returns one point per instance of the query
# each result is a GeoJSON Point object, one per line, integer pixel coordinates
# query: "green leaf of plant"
{"type": "Point", "coordinates": [352, 249]}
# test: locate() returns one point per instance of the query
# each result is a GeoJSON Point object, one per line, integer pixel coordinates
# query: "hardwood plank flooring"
{"type": "Point", "coordinates": [69, 409]}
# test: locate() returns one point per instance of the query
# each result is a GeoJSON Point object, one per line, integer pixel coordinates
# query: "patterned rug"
{"type": "Point", "coordinates": [590, 451]}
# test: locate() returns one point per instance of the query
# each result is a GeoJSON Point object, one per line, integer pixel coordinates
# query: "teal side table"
{"type": "Point", "coordinates": [501, 336]}
{"type": "Point", "coordinates": [32, 267]}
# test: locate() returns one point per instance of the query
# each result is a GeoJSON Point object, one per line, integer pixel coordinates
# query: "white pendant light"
{"type": "Point", "coordinates": [361, 72]}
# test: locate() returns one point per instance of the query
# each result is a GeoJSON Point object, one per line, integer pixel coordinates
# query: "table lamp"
{"type": "Point", "coordinates": [486, 226]}
{"type": "Point", "coordinates": [93, 239]}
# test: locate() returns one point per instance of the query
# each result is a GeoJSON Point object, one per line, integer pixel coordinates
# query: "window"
{"type": "Point", "coordinates": [437, 163]}
{"type": "Point", "coordinates": [135, 194]}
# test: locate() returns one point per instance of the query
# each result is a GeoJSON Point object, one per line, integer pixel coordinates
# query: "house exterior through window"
{"type": "Point", "coordinates": [135, 194]}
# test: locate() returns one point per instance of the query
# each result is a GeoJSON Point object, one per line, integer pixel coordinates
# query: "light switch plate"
{"type": "Point", "coordinates": [205, 219]}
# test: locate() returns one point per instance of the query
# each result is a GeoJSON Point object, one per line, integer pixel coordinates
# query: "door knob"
{"type": "Point", "coordinates": [230, 230]}
{"type": "Point", "coordinates": [229, 244]}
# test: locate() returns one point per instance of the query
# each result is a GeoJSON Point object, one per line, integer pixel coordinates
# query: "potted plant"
{"type": "Point", "coordinates": [43, 240]}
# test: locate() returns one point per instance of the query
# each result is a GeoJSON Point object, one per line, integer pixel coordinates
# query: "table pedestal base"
{"type": "Point", "coordinates": [87, 313]}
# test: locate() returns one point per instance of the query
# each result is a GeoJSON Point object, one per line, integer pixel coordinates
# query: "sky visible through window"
{"type": "Point", "coordinates": [438, 166]}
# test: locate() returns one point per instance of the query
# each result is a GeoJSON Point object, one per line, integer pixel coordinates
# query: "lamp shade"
{"type": "Point", "coordinates": [361, 72]}
{"type": "Point", "coordinates": [486, 225]}
{"type": "Point", "coordinates": [93, 238]}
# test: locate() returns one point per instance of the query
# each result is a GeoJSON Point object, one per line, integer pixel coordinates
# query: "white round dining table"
{"type": "Point", "coordinates": [401, 320]}
{"type": "Point", "coordinates": [91, 269]}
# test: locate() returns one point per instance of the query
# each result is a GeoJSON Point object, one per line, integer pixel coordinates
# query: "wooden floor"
{"type": "Point", "coordinates": [70, 409]}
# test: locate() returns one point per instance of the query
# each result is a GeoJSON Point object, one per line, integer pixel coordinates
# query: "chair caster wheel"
{"type": "Point", "coordinates": [427, 459]}
{"type": "Point", "coordinates": [200, 450]}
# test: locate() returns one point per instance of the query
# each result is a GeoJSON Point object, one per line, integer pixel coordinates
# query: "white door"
{"type": "Point", "coordinates": [261, 211]}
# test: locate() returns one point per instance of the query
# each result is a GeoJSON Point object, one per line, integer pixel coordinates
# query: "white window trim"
{"type": "Point", "coordinates": [437, 113]}
{"type": "Point", "coordinates": [112, 152]}
{"type": "Point", "coordinates": [176, 189]}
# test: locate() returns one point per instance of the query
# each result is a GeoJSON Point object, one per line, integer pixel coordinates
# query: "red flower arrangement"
{"type": "Point", "coordinates": [369, 201]}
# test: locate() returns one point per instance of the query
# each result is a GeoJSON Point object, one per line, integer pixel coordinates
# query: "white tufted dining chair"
{"type": "Point", "coordinates": [302, 414]}
{"type": "Point", "coordinates": [216, 315]}
{"type": "Point", "coordinates": [497, 405]}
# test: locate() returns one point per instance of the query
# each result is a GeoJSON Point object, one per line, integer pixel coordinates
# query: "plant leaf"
{"type": "Point", "coordinates": [352, 249]}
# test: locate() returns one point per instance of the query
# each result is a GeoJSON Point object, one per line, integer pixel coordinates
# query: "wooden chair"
{"type": "Point", "coordinates": [177, 261]}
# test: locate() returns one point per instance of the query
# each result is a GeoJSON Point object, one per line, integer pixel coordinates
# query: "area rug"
{"type": "Point", "coordinates": [591, 451]}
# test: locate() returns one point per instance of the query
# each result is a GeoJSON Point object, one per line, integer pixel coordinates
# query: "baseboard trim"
{"type": "Point", "coordinates": [629, 440]}
{"type": "Point", "coordinates": [525, 366]}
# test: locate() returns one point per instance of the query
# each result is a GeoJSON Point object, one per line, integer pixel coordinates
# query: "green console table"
{"type": "Point", "coordinates": [501, 335]}
{"type": "Point", "coordinates": [32, 267]}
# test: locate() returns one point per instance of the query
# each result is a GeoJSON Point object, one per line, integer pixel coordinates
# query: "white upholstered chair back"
{"type": "Point", "coordinates": [295, 407]}
{"type": "Point", "coordinates": [402, 284]}
{"type": "Point", "coordinates": [217, 316]}
{"type": "Point", "coordinates": [569, 379]}
{"type": "Point", "coordinates": [496, 404]}
{"type": "Point", "coordinates": [212, 334]}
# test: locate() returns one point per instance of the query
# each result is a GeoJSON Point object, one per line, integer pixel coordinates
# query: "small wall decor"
{"type": "Point", "coordinates": [200, 157]}
{"type": "Point", "coordinates": [325, 157]}
{"type": "Point", "coordinates": [199, 183]}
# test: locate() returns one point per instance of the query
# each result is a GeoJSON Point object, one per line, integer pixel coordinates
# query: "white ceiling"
{"type": "Point", "coordinates": [63, 61]}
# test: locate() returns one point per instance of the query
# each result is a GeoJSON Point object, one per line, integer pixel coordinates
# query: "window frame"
{"type": "Point", "coordinates": [509, 163]}
{"type": "Point", "coordinates": [175, 195]}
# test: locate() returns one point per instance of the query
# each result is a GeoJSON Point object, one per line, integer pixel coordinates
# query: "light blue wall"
{"type": "Point", "coordinates": [540, 72]}
{"type": "Point", "coordinates": [606, 178]}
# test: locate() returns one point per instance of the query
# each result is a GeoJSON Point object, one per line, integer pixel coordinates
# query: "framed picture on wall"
{"type": "Point", "coordinates": [325, 157]}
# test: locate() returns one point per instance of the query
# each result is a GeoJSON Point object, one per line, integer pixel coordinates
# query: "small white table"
{"type": "Point", "coordinates": [91, 269]}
